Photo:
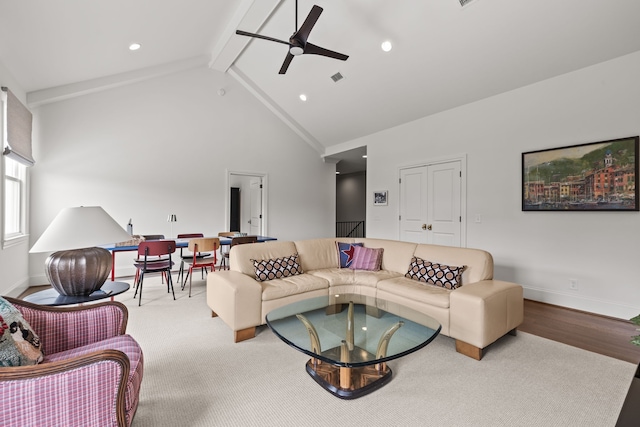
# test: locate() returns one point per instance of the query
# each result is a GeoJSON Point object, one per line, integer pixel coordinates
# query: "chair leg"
{"type": "Point", "coordinates": [141, 281]}
{"type": "Point", "coordinates": [170, 282]}
{"type": "Point", "coordinates": [136, 282]}
{"type": "Point", "coordinates": [181, 272]}
{"type": "Point", "coordinates": [184, 283]}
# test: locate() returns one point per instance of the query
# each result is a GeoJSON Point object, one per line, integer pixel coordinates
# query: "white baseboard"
{"type": "Point", "coordinates": [579, 302]}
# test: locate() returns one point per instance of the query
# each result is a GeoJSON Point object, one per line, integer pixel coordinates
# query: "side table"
{"type": "Point", "coordinates": [52, 297]}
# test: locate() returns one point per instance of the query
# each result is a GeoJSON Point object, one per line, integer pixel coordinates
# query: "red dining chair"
{"type": "Point", "coordinates": [201, 245]}
{"type": "Point", "coordinates": [147, 237]}
{"type": "Point", "coordinates": [152, 250]}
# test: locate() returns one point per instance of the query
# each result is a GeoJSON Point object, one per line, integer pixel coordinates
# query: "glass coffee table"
{"type": "Point", "coordinates": [350, 338]}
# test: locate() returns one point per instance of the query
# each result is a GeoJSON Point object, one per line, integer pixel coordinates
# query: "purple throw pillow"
{"type": "Point", "coordinates": [366, 259]}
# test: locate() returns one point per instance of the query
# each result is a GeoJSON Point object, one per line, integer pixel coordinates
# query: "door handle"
{"type": "Point", "coordinates": [427, 227]}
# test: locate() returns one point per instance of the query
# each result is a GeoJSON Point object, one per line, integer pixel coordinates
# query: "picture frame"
{"type": "Point", "coordinates": [596, 176]}
{"type": "Point", "coordinates": [380, 198]}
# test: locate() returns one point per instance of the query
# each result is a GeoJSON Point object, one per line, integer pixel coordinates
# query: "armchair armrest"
{"type": "Point", "coordinates": [64, 328]}
{"type": "Point", "coordinates": [86, 390]}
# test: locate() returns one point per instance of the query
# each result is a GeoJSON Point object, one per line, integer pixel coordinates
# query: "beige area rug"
{"type": "Point", "coordinates": [196, 376]}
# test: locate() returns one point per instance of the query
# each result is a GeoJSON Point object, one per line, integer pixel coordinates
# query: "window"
{"type": "Point", "coordinates": [14, 199]}
{"type": "Point", "coordinates": [15, 132]}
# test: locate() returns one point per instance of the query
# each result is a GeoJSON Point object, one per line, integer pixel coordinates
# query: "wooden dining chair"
{"type": "Point", "coordinates": [184, 256]}
{"type": "Point", "coordinates": [237, 241]}
{"type": "Point", "coordinates": [149, 252]}
{"type": "Point", "coordinates": [224, 249]}
{"type": "Point", "coordinates": [207, 244]}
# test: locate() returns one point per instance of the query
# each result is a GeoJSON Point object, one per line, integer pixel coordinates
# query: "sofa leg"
{"type": "Point", "coordinates": [468, 350]}
{"type": "Point", "coordinates": [513, 332]}
{"type": "Point", "coordinates": [244, 334]}
{"type": "Point", "coordinates": [214, 314]}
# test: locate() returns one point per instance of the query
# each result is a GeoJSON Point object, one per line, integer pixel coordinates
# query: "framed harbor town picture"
{"type": "Point", "coordinates": [598, 176]}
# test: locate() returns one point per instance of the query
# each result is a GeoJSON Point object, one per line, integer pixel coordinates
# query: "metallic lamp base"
{"type": "Point", "coordinates": [79, 271]}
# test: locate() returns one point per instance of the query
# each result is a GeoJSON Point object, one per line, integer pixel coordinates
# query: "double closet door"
{"type": "Point", "coordinates": [431, 204]}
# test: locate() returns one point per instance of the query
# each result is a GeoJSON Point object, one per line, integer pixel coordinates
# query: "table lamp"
{"type": "Point", "coordinates": [77, 267]}
{"type": "Point", "coordinates": [171, 219]}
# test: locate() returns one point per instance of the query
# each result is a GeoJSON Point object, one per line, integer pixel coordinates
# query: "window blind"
{"type": "Point", "coordinates": [18, 125]}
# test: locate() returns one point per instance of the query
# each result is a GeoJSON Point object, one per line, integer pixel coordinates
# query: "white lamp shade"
{"type": "Point", "coordinates": [80, 227]}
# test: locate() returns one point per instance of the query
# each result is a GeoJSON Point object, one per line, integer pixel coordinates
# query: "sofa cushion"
{"type": "Point", "coordinates": [396, 254]}
{"type": "Point", "coordinates": [277, 268]}
{"type": "Point", "coordinates": [19, 344]}
{"type": "Point", "coordinates": [479, 263]}
{"type": "Point", "coordinates": [416, 291]}
{"type": "Point", "coordinates": [366, 258]}
{"type": "Point", "coordinates": [316, 254]}
{"type": "Point", "coordinates": [432, 273]}
{"type": "Point", "coordinates": [346, 252]}
{"type": "Point", "coordinates": [335, 276]}
{"type": "Point", "coordinates": [292, 285]}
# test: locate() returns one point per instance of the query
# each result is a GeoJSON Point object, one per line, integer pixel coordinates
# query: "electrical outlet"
{"type": "Point", "coordinates": [573, 284]}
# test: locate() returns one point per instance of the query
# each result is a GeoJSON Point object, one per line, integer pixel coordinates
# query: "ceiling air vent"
{"type": "Point", "coordinates": [336, 77]}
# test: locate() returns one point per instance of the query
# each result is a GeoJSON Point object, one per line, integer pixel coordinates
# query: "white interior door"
{"type": "Point", "coordinates": [256, 207]}
{"type": "Point", "coordinates": [413, 204]}
{"type": "Point", "coordinates": [430, 204]}
{"type": "Point", "coordinates": [444, 218]}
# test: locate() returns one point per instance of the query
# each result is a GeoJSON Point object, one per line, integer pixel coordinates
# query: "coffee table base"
{"type": "Point", "coordinates": [348, 383]}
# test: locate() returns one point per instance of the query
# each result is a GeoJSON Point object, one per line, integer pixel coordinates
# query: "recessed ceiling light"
{"type": "Point", "coordinates": [135, 46]}
{"type": "Point", "coordinates": [303, 97]}
{"type": "Point", "coordinates": [337, 172]}
{"type": "Point", "coordinates": [386, 46]}
{"type": "Point", "coordinates": [364, 156]}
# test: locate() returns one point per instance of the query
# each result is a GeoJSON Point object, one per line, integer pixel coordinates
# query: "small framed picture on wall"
{"type": "Point", "coordinates": [380, 198]}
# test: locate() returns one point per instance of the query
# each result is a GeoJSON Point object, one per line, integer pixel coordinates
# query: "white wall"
{"type": "Point", "coordinates": [14, 260]}
{"type": "Point", "coordinates": [540, 250]}
{"type": "Point", "coordinates": [163, 146]}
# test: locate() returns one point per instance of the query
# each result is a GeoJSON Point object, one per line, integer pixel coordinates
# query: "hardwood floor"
{"type": "Point", "coordinates": [601, 334]}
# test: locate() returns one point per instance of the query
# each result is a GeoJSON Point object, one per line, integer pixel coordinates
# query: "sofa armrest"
{"type": "Point", "coordinates": [64, 328]}
{"type": "Point", "coordinates": [236, 298]}
{"type": "Point", "coordinates": [86, 390]}
{"type": "Point", "coordinates": [482, 312]}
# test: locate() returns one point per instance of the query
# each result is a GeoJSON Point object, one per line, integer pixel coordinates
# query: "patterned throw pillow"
{"type": "Point", "coordinates": [446, 276]}
{"type": "Point", "coordinates": [345, 252]}
{"type": "Point", "coordinates": [277, 268]}
{"type": "Point", "coordinates": [19, 345]}
{"type": "Point", "coordinates": [366, 259]}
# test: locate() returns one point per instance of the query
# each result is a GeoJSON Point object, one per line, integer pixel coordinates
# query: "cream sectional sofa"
{"type": "Point", "coordinates": [475, 314]}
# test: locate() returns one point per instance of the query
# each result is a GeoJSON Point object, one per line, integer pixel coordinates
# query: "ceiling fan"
{"type": "Point", "coordinates": [297, 43]}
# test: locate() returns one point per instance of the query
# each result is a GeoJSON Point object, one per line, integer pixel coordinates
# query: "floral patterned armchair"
{"type": "Point", "coordinates": [90, 375]}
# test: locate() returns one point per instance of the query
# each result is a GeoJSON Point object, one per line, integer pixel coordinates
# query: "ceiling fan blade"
{"type": "Point", "coordinates": [258, 36]}
{"type": "Point", "coordinates": [285, 64]}
{"type": "Point", "coordinates": [317, 50]}
{"type": "Point", "coordinates": [303, 32]}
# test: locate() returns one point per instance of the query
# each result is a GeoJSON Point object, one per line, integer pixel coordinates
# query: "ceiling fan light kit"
{"type": "Point", "coordinates": [297, 43]}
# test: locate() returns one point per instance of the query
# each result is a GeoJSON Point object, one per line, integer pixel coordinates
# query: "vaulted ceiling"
{"type": "Point", "coordinates": [444, 55]}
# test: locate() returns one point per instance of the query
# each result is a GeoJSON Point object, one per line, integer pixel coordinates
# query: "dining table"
{"type": "Point", "coordinates": [180, 243]}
